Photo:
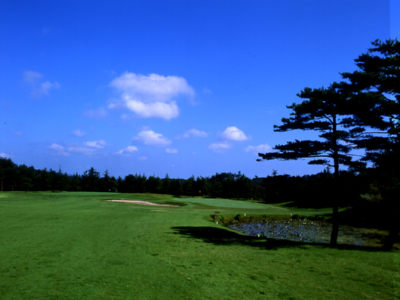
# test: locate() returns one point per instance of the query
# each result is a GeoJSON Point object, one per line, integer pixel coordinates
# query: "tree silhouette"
{"type": "Point", "coordinates": [325, 112]}
{"type": "Point", "coordinates": [375, 103]}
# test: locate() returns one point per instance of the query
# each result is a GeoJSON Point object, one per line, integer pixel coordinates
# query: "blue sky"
{"type": "Point", "coordinates": [178, 87]}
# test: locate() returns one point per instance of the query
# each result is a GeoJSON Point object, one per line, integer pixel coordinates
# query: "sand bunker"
{"type": "Point", "coordinates": [142, 202]}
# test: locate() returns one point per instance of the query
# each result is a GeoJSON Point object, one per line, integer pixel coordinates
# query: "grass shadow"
{"type": "Point", "coordinates": [225, 237]}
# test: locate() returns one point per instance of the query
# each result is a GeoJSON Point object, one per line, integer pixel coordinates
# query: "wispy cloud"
{"type": "Point", "coordinates": [58, 150]}
{"type": "Point", "coordinates": [220, 147]}
{"type": "Point", "coordinates": [127, 151]}
{"type": "Point", "coordinates": [5, 104]}
{"type": "Point", "coordinates": [56, 147]}
{"type": "Point", "coordinates": [142, 158]}
{"type": "Point", "coordinates": [5, 155]}
{"type": "Point", "coordinates": [207, 91]}
{"type": "Point", "coordinates": [233, 134]}
{"type": "Point", "coordinates": [96, 144]}
{"type": "Point", "coordinates": [171, 151]}
{"type": "Point", "coordinates": [151, 138]}
{"type": "Point", "coordinates": [17, 133]}
{"type": "Point", "coordinates": [31, 76]}
{"type": "Point", "coordinates": [78, 133]}
{"type": "Point", "coordinates": [38, 88]}
{"type": "Point", "coordinates": [195, 133]}
{"type": "Point", "coordinates": [46, 86]}
{"type": "Point", "coordinates": [151, 96]}
{"type": "Point", "coordinates": [259, 149]}
{"type": "Point", "coordinates": [82, 150]}
{"type": "Point", "coordinates": [95, 114]}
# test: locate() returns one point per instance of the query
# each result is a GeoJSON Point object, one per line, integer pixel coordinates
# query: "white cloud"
{"type": "Point", "coordinates": [59, 150]}
{"type": "Point", "coordinates": [127, 151]}
{"type": "Point", "coordinates": [82, 150]}
{"type": "Point", "coordinates": [78, 133]}
{"type": "Point", "coordinates": [154, 87]}
{"type": "Point", "coordinates": [162, 110]}
{"type": "Point", "coordinates": [151, 138]}
{"type": "Point", "coordinates": [152, 95]}
{"type": "Point", "coordinates": [171, 151]}
{"type": "Point", "coordinates": [219, 147]}
{"type": "Point", "coordinates": [233, 134]}
{"type": "Point", "coordinates": [195, 133]}
{"type": "Point", "coordinates": [96, 114]}
{"type": "Point", "coordinates": [142, 158]}
{"type": "Point", "coordinates": [17, 133]}
{"type": "Point", "coordinates": [4, 155]}
{"type": "Point", "coordinates": [259, 149]}
{"type": "Point", "coordinates": [96, 144]}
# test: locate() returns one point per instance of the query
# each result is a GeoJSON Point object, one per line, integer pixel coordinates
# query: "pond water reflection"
{"type": "Point", "coordinates": [303, 230]}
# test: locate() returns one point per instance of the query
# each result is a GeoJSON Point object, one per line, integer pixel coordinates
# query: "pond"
{"type": "Point", "coordinates": [309, 231]}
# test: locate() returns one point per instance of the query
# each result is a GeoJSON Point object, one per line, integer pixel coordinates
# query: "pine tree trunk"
{"type": "Point", "coordinates": [394, 228]}
{"type": "Point", "coordinates": [335, 221]}
{"type": "Point", "coordinates": [391, 239]}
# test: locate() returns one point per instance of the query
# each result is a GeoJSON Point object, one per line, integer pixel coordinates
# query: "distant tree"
{"type": "Point", "coordinates": [45, 180]}
{"type": "Point", "coordinates": [139, 183]}
{"type": "Point", "coordinates": [216, 189]}
{"type": "Point", "coordinates": [76, 183]}
{"type": "Point", "coordinates": [25, 177]}
{"type": "Point", "coordinates": [153, 184]}
{"type": "Point", "coordinates": [176, 187]}
{"type": "Point", "coordinates": [65, 182]}
{"type": "Point", "coordinates": [105, 182]}
{"type": "Point", "coordinates": [7, 173]}
{"type": "Point", "coordinates": [202, 186]}
{"type": "Point", "coordinates": [90, 180]}
{"type": "Point", "coordinates": [324, 111]}
{"type": "Point", "coordinates": [114, 184]}
{"type": "Point", "coordinates": [120, 184]}
{"type": "Point", "coordinates": [129, 183]}
{"type": "Point", "coordinates": [166, 185]}
{"type": "Point", "coordinates": [189, 187]}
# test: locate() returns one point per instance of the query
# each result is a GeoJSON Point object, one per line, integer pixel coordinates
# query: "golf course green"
{"type": "Point", "coordinates": [76, 245]}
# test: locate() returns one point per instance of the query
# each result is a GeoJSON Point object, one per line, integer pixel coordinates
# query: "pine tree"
{"type": "Point", "coordinates": [375, 106]}
{"type": "Point", "coordinates": [325, 112]}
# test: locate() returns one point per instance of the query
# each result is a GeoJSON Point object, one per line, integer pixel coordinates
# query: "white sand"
{"type": "Point", "coordinates": [142, 202]}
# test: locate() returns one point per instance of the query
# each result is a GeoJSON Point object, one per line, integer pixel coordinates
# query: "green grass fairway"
{"type": "Point", "coordinates": [78, 246]}
{"type": "Point", "coordinates": [226, 203]}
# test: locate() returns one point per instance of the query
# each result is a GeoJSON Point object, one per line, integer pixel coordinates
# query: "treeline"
{"type": "Point", "coordinates": [224, 185]}
{"type": "Point", "coordinates": [305, 191]}
{"type": "Point", "coordinates": [316, 190]}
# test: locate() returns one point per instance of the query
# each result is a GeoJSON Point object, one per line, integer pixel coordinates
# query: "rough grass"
{"type": "Point", "coordinates": [77, 246]}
